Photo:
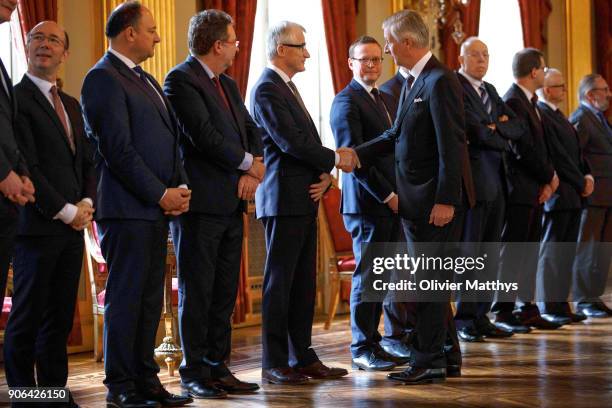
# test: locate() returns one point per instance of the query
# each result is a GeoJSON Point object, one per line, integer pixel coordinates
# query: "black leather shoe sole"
{"type": "Point", "coordinates": [187, 392]}
{"type": "Point", "coordinates": [359, 366]}
{"type": "Point", "coordinates": [232, 390]}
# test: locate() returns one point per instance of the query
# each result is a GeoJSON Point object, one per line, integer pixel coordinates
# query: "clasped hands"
{"type": "Point", "coordinates": [83, 216]}
{"type": "Point", "coordinates": [175, 201]}
{"type": "Point", "coordinates": [348, 159]}
{"type": "Point", "coordinates": [249, 181]}
{"type": "Point", "coordinates": [547, 190]}
{"type": "Point", "coordinates": [18, 189]}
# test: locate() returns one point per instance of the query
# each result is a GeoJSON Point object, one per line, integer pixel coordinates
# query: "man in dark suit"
{"type": "Point", "coordinates": [369, 202]}
{"type": "Point", "coordinates": [49, 247]}
{"type": "Point", "coordinates": [224, 161]}
{"type": "Point", "coordinates": [594, 251]}
{"type": "Point", "coordinates": [15, 186]}
{"type": "Point", "coordinates": [140, 176]}
{"type": "Point", "coordinates": [490, 128]}
{"type": "Point", "coordinates": [428, 137]}
{"type": "Point", "coordinates": [561, 220]}
{"type": "Point", "coordinates": [531, 181]}
{"type": "Point", "coordinates": [297, 176]}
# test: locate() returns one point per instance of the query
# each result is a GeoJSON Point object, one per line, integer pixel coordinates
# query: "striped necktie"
{"type": "Point", "coordinates": [484, 97]}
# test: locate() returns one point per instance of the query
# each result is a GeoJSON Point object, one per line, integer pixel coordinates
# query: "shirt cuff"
{"type": "Point", "coordinates": [182, 186]}
{"type": "Point", "coordinates": [88, 201]}
{"type": "Point", "coordinates": [389, 197]}
{"type": "Point", "coordinates": [589, 176]}
{"type": "Point", "coordinates": [67, 214]}
{"type": "Point", "coordinates": [337, 159]}
{"type": "Point", "coordinates": [247, 162]}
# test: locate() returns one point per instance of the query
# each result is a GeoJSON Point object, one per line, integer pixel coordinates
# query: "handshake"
{"type": "Point", "coordinates": [348, 159]}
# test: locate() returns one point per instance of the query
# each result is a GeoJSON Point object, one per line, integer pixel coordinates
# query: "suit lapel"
{"type": "Point", "coordinates": [471, 93]}
{"type": "Point", "coordinates": [414, 91]}
{"type": "Point", "coordinates": [597, 124]}
{"type": "Point", "coordinates": [368, 100]}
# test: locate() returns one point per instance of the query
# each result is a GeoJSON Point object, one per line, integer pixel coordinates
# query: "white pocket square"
{"type": "Point", "coordinates": [417, 100]}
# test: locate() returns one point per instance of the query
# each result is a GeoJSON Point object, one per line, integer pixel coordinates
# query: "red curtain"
{"type": "Point", "coordinates": [603, 41]}
{"type": "Point", "coordinates": [32, 12]}
{"type": "Point", "coordinates": [339, 21]}
{"type": "Point", "coordinates": [470, 18]}
{"type": "Point", "coordinates": [243, 13]}
{"type": "Point", "coordinates": [534, 14]}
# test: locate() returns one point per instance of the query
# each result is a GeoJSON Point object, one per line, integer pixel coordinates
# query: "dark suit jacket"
{"type": "Point", "coordinates": [59, 176]}
{"type": "Point", "coordinates": [487, 147]}
{"type": "Point", "coordinates": [430, 146]}
{"type": "Point", "coordinates": [532, 168]}
{"type": "Point", "coordinates": [10, 156]}
{"type": "Point", "coordinates": [293, 153]}
{"type": "Point", "coordinates": [391, 91]}
{"type": "Point", "coordinates": [137, 154]}
{"type": "Point", "coordinates": [214, 140]}
{"type": "Point", "coordinates": [596, 144]}
{"type": "Point", "coordinates": [355, 118]}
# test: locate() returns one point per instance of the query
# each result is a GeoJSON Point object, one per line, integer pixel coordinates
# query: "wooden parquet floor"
{"type": "Point", "coordinates": [569, 367]}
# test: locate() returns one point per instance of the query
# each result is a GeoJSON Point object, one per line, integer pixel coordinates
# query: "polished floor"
{"type": "Point", "coordinates": [569, 367]}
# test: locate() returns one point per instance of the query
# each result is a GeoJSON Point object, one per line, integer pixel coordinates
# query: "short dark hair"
{"type": "Point", "coordinates": [205, 28]}
{"type": "Point", "coordinates": [123, 16]}
{"type": "Point", "coordinates": [364, 39]}
{"type": "Point", "coordinates": [525, 60]}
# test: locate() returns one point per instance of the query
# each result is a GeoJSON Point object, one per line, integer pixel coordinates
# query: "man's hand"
{"type": "Point", "coordinates": [554, 183]}
{"type": "Point", "coordinates": [492, 126]}
{"type": "Point", "coordinates": [247, 185]}
{"type": "Point", "coordinates": [546, 192]}
{"type": "Point", "coordinates": [28, 188]}
{"type": "Point", "coordinates": [393, 204]}
{"type": "Point", "coordinates": [175, 201]}
{"type": "Point", "coordinates": [83, 216]}
{"type": "Point", "coordinates": [258, 169]}
{"type": "Point", "coordinates": [348, 159]}
{"type": "Point", "coordinates": [441, 214]}
{"type": "Point", "coordinates": [589, 187]}
{"type": "Point", "coordinates": [11, 185]}
{"type": "Point", "coordinates": [503, 118]}
{"type": "Point", "coordinates": [318, 189]}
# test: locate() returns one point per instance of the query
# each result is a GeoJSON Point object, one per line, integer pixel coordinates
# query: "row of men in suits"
{"type": "Point", "coordinates": [528, 161]}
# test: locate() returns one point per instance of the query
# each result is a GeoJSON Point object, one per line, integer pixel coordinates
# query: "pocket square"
{"type": "Point", "coordinates": [417, 100]}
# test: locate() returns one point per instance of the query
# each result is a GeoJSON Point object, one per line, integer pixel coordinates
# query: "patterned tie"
{"type": "Point", "coordinates": [61, 114]}
{"type": "Point", "coordinates": [298, 97]}
{"type": "Point", "coordinates": [221, 92]}
{"type": "Point", "coordinates": [381, 106]}
{"type": "Point", "coordinates": [484, 97]}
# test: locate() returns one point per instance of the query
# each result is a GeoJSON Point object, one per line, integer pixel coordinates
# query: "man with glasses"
{"type": "Point", "coordinates": [223, 158]}
{"type": "Point", "coordinates": [594, 251]}
{"type": "Point", "coordinates": [561, 219]}
{"type": "Point", "coordinates": [360, 112]}
{"type": "Point", "coordinates": [531, 182]}
{"type": "Point", "coordinates": [297, 176]}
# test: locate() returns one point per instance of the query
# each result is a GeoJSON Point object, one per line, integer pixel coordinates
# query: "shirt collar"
{"type": "Point", "coordinates": [475, 82]}
{"type": "Point", "coordinates": [590, 107]}
{"type": "Point", "coordinates": [403, 72]}
{"type": "Point", "coordinates": [526, 91]}
{"type": "Point", "coordinates": [131, 64]}
{"type": "Point", "coordinates": [368, 88]}
{"type": "Point", "coordinates": [209, 72]}
{"type": "Point", "coordinates": [550, 104]}
{"type": "Point", "coordinates": [44, 85]}
{"type": "Point", "coordinates": [416, 70]}
{"type": "Point", "coordinates": [280, 72]}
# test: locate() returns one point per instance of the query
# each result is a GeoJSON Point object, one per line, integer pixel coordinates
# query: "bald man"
{"type": "Point", "coordinates": [561, 220]}
{"type": "Point", "coordinates": [49, 245]}
{"type": "Point", "coordinates": [491, 127]}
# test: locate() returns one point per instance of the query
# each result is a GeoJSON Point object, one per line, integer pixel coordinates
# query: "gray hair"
{"type": "Point", "coordinates": [279, 33]}
{"type": "Point", "coordinates": [408, 23]}
{"type": "Point", "coordinates": [587, 84]}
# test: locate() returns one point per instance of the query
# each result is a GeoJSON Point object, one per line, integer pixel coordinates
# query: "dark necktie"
{"type": "Point", "coordinates": [221, 92]}
{"type": "Point", "coordinates": [381, 106]}
{"type": "Point", "coordinates": [484, 97]}
{"type": "Point", "coordinates": [61, 114]}
{"type": "Point", "coordinates": [405, 90]}
{"type": "Point", "coordinates": [534, 103]}
{"type": "Point", "coordinates": [299, 98]}
{"type": "Point", "coordinates": [604, 121]}
{"type": "Point", "coordinates": [141, 74]}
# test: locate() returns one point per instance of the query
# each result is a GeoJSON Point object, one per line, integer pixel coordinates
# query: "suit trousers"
{"type": "Point", "coordinates": [593, 254]}
{"type": "Point", "coordinates": [8, 230]}
{"type": "Point", "coordinates": [45, 281]}
{"type": "Point", "coordinates": [365, 316]}
{"type": "Point", "coordinates": [289, 291]}
{"type": "Point", "coordinates": [208, 249]}
{"type": "Point", "coordinates": [135, 252]}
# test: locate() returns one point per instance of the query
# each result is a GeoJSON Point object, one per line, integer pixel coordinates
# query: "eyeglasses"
{"type": "Point", "coordinates": [236, 43]}
{"type": "Point", "coordinates": [301, 46]}
{"type": "Point", "coordinates": [606, 89]}
{"type": "Point", "coordinates": [51, 39]}
{"type": "Point", "coordinates": [484, 55]}
{"type": "Point", "coordinates": [369, 61]}
{"type": "Point", "coordinates": [562, 86]}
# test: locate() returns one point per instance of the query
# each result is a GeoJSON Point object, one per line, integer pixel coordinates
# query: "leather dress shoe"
{"type": "Point", "coordinates": [602, 306]}
{"type": "Point", "coordinates": [203, 390]}
{"type": "Point", "coordinates": [556, 318]}
{"type": "Point", "coordinates": [418, 375]}
{"type": "Point", "coordinates": [512, 324]}
{"type": "Point", "coordinates": [161, 395]}
{"type": "Point", "coordinates": [398, 350]}
{"type": "Point", "coordinates": [488, 329]}
{"type": "Point", "coordinates": [397, 359]}
{"type": "Point", "coordinates": [453, 370]}
{"type": "Point", "coordinates": [130, 399]}
{"type": "Point", "coordinates": [233, 385]}
{"type": "Point", "coordinates": [370, 361]}
{"type": "Point", "coordinates": [538, 322]}
{"type": "Point", "coordinates": [591, 310]}
{"type": "Point", "coordinates": [283, 375]}
{"type": "Point", "coordinates": [576, 317]}
{"type": "Point", "coordinates": [470, 335]}
{"type": "Point", "coordinates": [320, 371]}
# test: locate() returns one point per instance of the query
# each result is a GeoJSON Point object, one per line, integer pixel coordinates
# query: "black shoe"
{"type": "Point", "coordinates": [488, 329]}
{"type": "Point", "coordinates": [556, 319]}
{"type": "Point", "coordinates": [383, 355]}
{"type": "Point", "coordinates": [203, 390]}
{"type": "Point", "coordinates": [130, 399]}
{"type": "Point", "coordinates": [398, 350]}
{"type": "Point", "coordinates": [536, 321]}
{"type": "Point", "coordinates": [590, 310]}
{"type": "Point", "coordinates": [603, 307]}
{"type": "Point", "coordinates": [233, 385]}
{"type": "Point", "coordinates": [161, 395]}
{"type": "Point", "coordinates": [417, 375]}
{"type": "Point", "coordinates": [576, 317]}
{"type": "Point", "coordinates": [470, 335]}
{"type": "Point", "coordinates": [283, 376]}
{"type": "Point", "coordinates": [453, 371]}
{"type": "Point", "coordinates": [511, 323]}
{"type": "Point", "coordinates": [369, 361]}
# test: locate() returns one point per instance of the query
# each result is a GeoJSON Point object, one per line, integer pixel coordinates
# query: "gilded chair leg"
{"type": "Point", "coordinates": [334, 299]}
